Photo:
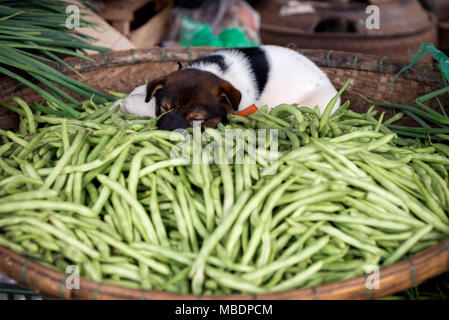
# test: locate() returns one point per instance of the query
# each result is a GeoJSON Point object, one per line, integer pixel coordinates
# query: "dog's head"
{"type": "Point", "coordinates": [189, 95]}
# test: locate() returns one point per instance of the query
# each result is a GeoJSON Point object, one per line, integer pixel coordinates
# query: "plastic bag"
{"type": "Point", "coordinates": [197, 34]}
{"type": "Point", "coordinates": [214, 23]}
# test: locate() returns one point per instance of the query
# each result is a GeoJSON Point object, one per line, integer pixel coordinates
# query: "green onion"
{"type": "Point", "coordinates": [30, 29]}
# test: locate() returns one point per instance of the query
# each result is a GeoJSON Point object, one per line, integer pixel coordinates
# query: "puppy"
{"type": "Point", "coordinates": [230, 80]}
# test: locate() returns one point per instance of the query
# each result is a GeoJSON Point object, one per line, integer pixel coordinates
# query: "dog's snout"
{"type": "Point", "coordinates": [172, 120]}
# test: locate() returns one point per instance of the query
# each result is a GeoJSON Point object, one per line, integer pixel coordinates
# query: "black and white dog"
{"type": "Point", "coordinates": [230, 80]}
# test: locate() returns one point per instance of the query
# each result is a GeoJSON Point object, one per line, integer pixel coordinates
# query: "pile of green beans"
{"type": "Point", "coordinates": [102, 193]}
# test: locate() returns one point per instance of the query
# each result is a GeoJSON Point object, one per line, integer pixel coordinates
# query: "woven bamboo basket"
{"type": "Point", "coordinates": [122, 71]}
{"type": "Point", "coordinates": [342, 25]}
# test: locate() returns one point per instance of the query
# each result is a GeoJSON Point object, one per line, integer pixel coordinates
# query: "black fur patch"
{"type": "Point", "coordinates": [171, 121]}
{"type": "Point", "coordinates": [259, 64]}
{"type": "Point", "coordinates": [213, 58]}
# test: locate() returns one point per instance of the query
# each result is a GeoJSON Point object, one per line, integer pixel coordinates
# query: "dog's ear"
{"type": "Point", "coordinates": [228, 94]}
{"type": "Point", "coordinates": [153, 86]}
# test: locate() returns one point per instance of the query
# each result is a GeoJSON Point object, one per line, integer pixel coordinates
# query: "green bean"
{"type": "Point", "coordinates": [149, 234]}
{"type": "Point", "coordinates": [28, 113]}
{"type": "Point", "coordinates": [274, 266]}
{"type": "Point", "coordinates": [126, 271]}
{"type": "Point", "coordinates": [216, 196]}
{"type": "Point", "coordinates": [101, 114]}
{"type": "Point", "coordinates": [431, 158]}
{"type": "Point", "coordinates": [154, 265]}
{"type": "Point", "coordinates": [78, 193]}
{"type": "Point", "coordinates": [357, 220]}
{"type": "Point", "coordinates": [14, 138]}
{"type": "Point", "coordinates": [112, 143]}
{"type": "Point", "coordinates": [292, 109]}
{"type": "Point", "coordinates": [379, 208]}
{"type": "Point", "coordinates": [264, 221]}
{"type": "Point", "coordinates": [92, 192]}
{"type": "Point", "coordinates": [100, 245]}
{"type": "Point", "coordinates": [31, 145]}
{"type": "Point", "coordinates": [164, 252]}
{"type": "Point", "coordinates": [272, 117]}
{"type": "Point", "coordinates": [394, 118]}
{"type": "Point", "coordinates": [247, 182]}
{"type": "Point", "coordinates": [235, 118]}
{"type": "Point", "coordinates": [181, 225]}
{"type": "Point", "coordinates": [228, 186]}
{"type": "Point", "coordinates": [254, 171]}
{"type": "Point", "coordinates": [93, 155]}
{"type": "Point", "coordinates": [52, 230]}
{"type": "Point", "coordinates": [91, 271]}
{"type": "Point", "coordinates": [44, 204]}
{"type": "Point", "coordinates": [432, 204]}
{"type": "Point", "coordinates": [330, 106]}
{"type": "Point", "coordinates": [264, 121]}
{"type": "Point", "coordinates": [44, 160]}
{"type": "Point", "coordinates": [352, 241]}
{"type": "Point", "coordinates": [84, 238]}
{"type": "Point", "coordinates": [122, 215]}
{"type": "Point", "coordinates": [183, 205]}
{"type": "Point", "coordinates": [356, 135]}
{"type": "Point", "coordinates": [4, 148]}
{"type": "Point", "coordinates": [64, 160]}
{"type": "Point", "coordinates": [407, 245]}
{"type": "Point", "coordinates": [422, 212]}
{"type": "Point", "coordinates": [363, 184]}
{"type": "Point", "coordinates": [231, 281]}
{"type": "Point", "coordinates": [156, 216]}
{"type": "Point", "coordinates": [165, 135]}
{"type": "Point", "coordinates": [113, 175]}
{"type": "Point", "coordinates": [144, 276]}
{"type": "Point", "coordinates": [209, 207]}
{"type": "Point", "coordinates": [299, 278]}
{"type": "Point", "coordinates": [135, 166]}
{"type": "Point", "coordinates": [29, 170]}
{"type": "Point", "coordinates": [90, 166]}
{"type": "Point", "coordinates": [8, 169]}
{"type": "Point", "coordinates": [13, 182]}
{"type": "Point", "coordinates": [197, 271]}
{"type": "Point", "coordinates": [252, 204]}
{"type": "Point", "coordinates": [303, 202]}
{"type": "Point", "coordinates": [162, 164]}
{"type": "Point", "coordinates": [435, 177]}
{"type": "Point", "coordinates": [267, 249]}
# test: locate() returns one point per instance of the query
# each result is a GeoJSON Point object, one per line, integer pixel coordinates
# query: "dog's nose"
{"type": "Point", "coordinates": [171, 121]}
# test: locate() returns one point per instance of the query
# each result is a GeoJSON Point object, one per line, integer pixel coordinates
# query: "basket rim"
{"type": "Point", "coordinates": [31, 273]}
{"type": "Point", "coordinates": [399, 276]}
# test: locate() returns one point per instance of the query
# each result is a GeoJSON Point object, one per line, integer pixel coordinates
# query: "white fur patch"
{"type": "Point", "coordinates": [294, 78]}
{"type": "Point", "coordinates": [135, 103]}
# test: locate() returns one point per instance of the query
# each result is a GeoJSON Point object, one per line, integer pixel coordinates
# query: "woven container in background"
{"type": "Point", "coordinates": [404, 25]}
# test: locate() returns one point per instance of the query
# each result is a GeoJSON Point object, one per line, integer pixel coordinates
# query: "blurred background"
{"type": "Point", "coordinates": [346, 25]}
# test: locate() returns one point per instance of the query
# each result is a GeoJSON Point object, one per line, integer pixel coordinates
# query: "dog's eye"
{"type": "Point", "coordinates": [165, 108]}
{"type": "Point", "coordinates": [223, 99]}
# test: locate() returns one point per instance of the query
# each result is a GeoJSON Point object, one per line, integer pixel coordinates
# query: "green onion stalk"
{"type": "Point", "coordinates": [33, 38]}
